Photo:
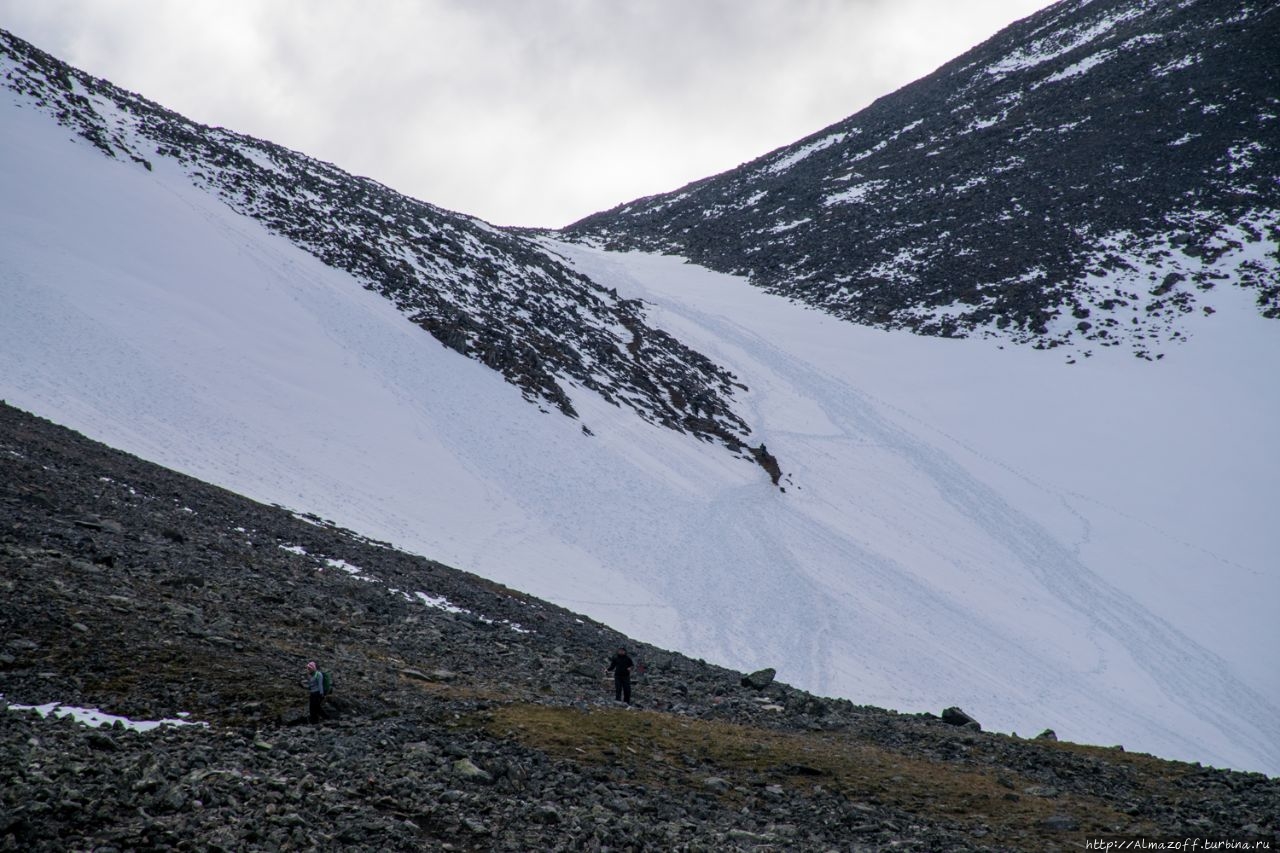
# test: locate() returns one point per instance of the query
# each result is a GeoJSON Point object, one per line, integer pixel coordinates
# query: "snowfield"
{"type": "Point", "coordinates": [1086, 547]}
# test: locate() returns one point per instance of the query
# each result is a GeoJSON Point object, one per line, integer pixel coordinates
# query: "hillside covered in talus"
{"type": "Point", "coordinates": [466, 716]}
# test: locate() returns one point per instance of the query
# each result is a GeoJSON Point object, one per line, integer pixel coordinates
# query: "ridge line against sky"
{"type": "Point", "coordinates": [517, 112]}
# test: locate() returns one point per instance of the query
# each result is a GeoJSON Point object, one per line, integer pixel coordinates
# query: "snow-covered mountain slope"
{"type": "Point", "coordinates": [1092, 176]}
{"type": "Point", "coordinates": [1085, 548]}
{"type": "Point", "coordinates": [489, 294]}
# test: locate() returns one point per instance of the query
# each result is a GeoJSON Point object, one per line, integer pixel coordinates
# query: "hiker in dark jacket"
{"type": "Point", "coordinates": [315, 684]}
{"type": "Point", "coordinates": [620, 665]}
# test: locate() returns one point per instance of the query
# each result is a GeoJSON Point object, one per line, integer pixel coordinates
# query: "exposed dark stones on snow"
{"type": "Point", "coordinates": [471, 717]}
{"type": "Point", "coordinates": [1087, 176]}
{"type": "Point", "coordinates": [488, 293]}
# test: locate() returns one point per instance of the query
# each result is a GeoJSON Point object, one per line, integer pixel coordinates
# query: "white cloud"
{"type": "Point", "coordinates": [521, 113]}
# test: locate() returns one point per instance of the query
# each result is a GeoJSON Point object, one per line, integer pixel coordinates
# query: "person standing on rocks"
{"type": "Point", "coordinates": [315, 684]}
{"type": "Point", "coordinates": [620, 665]}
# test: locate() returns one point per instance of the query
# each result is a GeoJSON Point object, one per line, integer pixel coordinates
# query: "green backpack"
{"type": "Point", "coordinates": [328, 682]}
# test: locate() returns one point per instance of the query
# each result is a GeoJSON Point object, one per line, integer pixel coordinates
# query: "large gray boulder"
{"type": "Point", "coordinates": [760, 679]}
{"type": "Point", "coordinates": [956, 717]}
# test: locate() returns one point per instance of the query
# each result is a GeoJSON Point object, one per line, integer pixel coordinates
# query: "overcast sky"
{"type": "Point", "coordinates": [521, 112]}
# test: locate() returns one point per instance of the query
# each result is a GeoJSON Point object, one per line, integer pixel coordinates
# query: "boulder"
{"type": "Point", "coordinates": [467, 770]}
{"type": "Point", "coordinates": [546, 813]}
{"type": "Point", "coordinates": [760, 679]}
{"type": "Point", "coordinates": [1046, 791]}
{"type": "Point", "coordinates": [956, 717]}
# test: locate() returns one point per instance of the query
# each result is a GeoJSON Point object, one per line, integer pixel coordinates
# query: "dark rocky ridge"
{"type": "Point", "coordinates": [1086, 177]}
{"type": "Point", "coordinates": [490, 294]}
{"type": "Point", "coordinates": [485, 726]}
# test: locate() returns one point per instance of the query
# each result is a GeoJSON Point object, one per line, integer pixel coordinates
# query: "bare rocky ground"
{"type": "Point", "coordinates": [484, 725]}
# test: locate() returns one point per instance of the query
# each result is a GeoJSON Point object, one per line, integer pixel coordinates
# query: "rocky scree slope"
{"type": "Point", "coordinates": [467, 716]}
{"type": "Point", "coordinates": [1086, 177]}
{"type": "Point", "coordinates": [489, 294]}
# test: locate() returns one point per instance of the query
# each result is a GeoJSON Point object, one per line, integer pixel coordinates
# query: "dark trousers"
{"type": "Point", "coordinates": [314, 711]}
{"type": "Point", "coordinates": [622, 687]}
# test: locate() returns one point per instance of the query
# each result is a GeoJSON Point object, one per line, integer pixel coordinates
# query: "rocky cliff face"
{"type": "Point", "coordinates": [466, 716]}
{"type": "Point", "coordinates": [1088, 177]}
{"type": "Point", "coordinates": [490, 294]}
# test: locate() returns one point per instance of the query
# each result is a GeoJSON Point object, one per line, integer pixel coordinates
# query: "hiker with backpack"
{"type": "Point", "coordinates": [620, 665]}
{"type": "Point", "coordinates": [316, 684]}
